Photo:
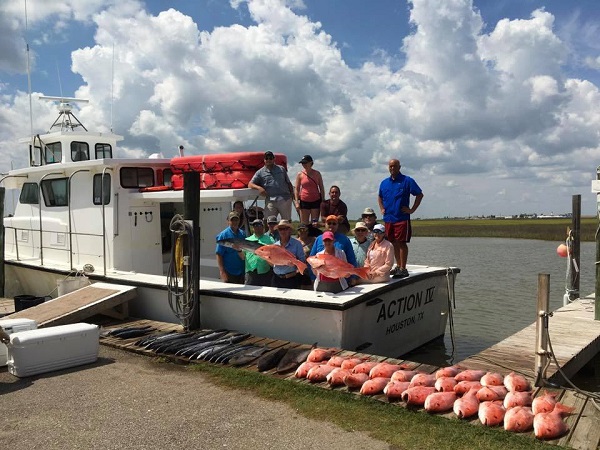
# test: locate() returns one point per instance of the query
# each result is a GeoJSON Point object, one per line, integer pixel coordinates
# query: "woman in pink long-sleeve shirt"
{"type": "Point", "coordinates": [380, 257]}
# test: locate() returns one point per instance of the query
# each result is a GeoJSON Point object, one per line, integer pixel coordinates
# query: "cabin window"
{"type": "Point", "coordinates": [53, 153]}
{"type": "Point", "coordinates": [29, 194]}
{"type": "Point", "coordinates": [167, 175]}
{"type": "Point", "coordinates": [55, 192]}
{"type": "Point", "coordinates": [137, 177]}
{"type": "Point", "coordinates": [80, 151]}
{"type": "Point", "coordinates": [101, 189]}
{"type": "Point", "coordinates": [103, 151]}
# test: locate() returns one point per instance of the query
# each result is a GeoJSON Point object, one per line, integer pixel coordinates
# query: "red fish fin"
{"type": "Point", "coordinates": [363, 272]}
{"type": "Point", "coordinates": [301, 266]}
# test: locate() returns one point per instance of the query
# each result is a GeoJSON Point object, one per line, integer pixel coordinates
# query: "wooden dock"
{"type": "Point", "coordinates": [584, 433]}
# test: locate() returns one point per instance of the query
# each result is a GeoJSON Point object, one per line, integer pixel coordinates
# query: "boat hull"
{"type": "Point", "coordinates": [387, 319]}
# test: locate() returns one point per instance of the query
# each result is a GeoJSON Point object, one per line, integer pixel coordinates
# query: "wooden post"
{"type": "Point", "coordinates": [541, 328]}
{"type": "Point", "coordinates": [2, 192]}
{"type": "Point", "coordinates": [575, 247]}
{"type": "Point", "coordinates": [191, 208]}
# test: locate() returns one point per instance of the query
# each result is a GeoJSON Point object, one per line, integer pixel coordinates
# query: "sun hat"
{"type": "Point", "coordinates": [368, 212]}
{"type": "Point", "coordinates": [328, 235]}
{"type": "Point", "coordinates": [272, 219]}
{"type": "Point", "coordinates": [284, 224]}
{"type": "Point", "coordinates": [233, 215]}
{"type": "Point", "coordinates": [378, 228]}
{"type": "Point", "coordinates": [302, 226]}
{"type": "Point", "coordinates": [331, 217]}
{"type": "Point", "coordinates": [360, 226]}
{"type": "Point", "coordinates": [256, 222]}
{"type": "Point", "coordinates": [306, 158]}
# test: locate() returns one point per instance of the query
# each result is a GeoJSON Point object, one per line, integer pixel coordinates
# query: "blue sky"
{"type": "Point", "coordinates": [492, 106]}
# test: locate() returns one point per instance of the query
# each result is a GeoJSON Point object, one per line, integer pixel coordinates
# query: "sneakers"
{"type": "Point", "coordinates": [397, 272]}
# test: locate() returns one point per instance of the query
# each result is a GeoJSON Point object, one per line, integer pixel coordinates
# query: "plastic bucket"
{"type": "Point", "coordinates": [27, 301]}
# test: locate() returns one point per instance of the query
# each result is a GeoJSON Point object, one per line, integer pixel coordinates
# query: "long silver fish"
{"type": "Point", "coordinates": [250, 246]}
{"type": "Point", "coordinates": [293, 358]}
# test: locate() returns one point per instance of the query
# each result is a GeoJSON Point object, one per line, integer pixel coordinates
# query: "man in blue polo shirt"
{"type": "Point", "coordinates": [394, 203]}
{"type": "Point", "coordinates": [229, 260]}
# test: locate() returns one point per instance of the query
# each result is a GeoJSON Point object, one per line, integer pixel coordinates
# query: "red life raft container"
{"type": "Point", "coordinates": [221, 171]}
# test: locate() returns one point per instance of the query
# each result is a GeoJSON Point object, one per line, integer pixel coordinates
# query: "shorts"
{"type": "Point", "coordinates": [398, 231]}
{"type": "Point", "coordinates": [310, 205]}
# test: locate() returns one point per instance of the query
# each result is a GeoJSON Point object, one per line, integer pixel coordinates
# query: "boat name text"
{"type": "Point", "coordinates": [405, 304]}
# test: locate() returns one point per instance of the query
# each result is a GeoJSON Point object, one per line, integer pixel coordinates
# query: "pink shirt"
{"type": "Point", "coordinates": [379, 260]}
{"type": "Point", "coordinates": [309, 188]}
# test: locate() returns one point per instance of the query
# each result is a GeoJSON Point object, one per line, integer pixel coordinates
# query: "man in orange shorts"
{"type": "Point", "coordinates": [394, 203]}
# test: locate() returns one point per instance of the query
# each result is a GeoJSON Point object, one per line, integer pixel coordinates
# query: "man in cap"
{"type": "Point", "coordinates": [272, 182]}
{"type": "Point", "coordinates": [394, 203]}
{"type": "Point", "coordinates": [230, 260]}
{"type": "Point", "coordinates": [272, 224]}
{"type": "Point", "coordinates": [288, 276]}
{"type": "Point", "coordinates": [360, 243]}
{"type": "Point", "coordinates": [258, 271]}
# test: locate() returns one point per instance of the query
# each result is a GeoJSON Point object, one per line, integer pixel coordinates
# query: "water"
{"type": "Point", "coordinates": [496, 290]}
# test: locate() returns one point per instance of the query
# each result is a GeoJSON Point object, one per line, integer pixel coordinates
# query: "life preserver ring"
{"type": "Point", "coordinates": [224, 162]}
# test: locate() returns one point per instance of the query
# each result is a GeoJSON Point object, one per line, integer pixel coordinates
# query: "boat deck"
{"type": "Point", "coordinates": [584, 434]}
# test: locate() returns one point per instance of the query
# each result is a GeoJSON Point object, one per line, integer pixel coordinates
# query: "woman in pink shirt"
{"type": "Point", "coordinates": [380, 257]}
{"type": "Point", "coordinates": [309, 191]}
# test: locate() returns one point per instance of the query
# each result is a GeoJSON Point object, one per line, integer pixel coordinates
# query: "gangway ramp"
{"type": "Point", "coordinates": [98, 298]}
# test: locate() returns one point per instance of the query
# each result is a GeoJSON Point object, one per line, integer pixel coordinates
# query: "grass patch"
{"type": "Point", "coordinates": [395, 425]}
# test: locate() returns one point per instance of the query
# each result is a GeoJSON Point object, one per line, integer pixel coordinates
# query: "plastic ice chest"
{"type": "Point", "coordinates": [46, 349]}
{"type": "Point", "coordinates": [12, 326]}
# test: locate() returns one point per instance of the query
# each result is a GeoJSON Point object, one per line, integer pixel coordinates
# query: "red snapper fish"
{"type": "Point", "coordinates": [404, 375]}
{"type": "Point", "coordinates": [450, 371]}
{"type": "Point", "coordinates": [319, 373]}
{"type": "Point", "coordinates": [462, 387]}
{"type": "Point", "coordinates": [439, 402]}
{"type": "Point", "coordinates": [491, 413]}
{"type": "Point", "coordinates": [374, 386]}
{"type": "Point", "coordinates": [417, 395]}
{"type": "Point", "coordinates": [515, 382]}
{"type": "Point", "coordinates": [277, 255]}
{"type": "Point", "coordinates": [490, 393]}
{"type": "Point", "coordinates": [384, 370]}
{"type": "Point", "coordinates": [351, 363]}
{"type": "Point", "coordinates": [492, 379]}
{"type": "Point", "coordinates": [303, 369]}
{"type": "Point", "coordinates": [445, 384]}
{"type": "Point", "coordinates": [336, 376]}
{"type": "Point", "coordinates": [336, 361]}
{"type": "Point", "coordinates": [518, 419]}
{"type": "Point", "coordinates": [321, 354]}
{"type": "Point", "coordinates": [544, 403]}
{"type": "Point", "coordinates": [516, 398]}
{"type": "Point", "coordinates": [364, 367]}
{"type": "Point", "coordinates": [467, 405]}
{"type": "Point", "coordinates": [332, 267]}
{"type": "Point", "coordinates": [394, 389]}
{"type": "Point", "coordinates": [355, 380]}
{"type": "Point", "coordinates": [423, 379]}
{"type": "Point", "coordinates": [550, 425]}
{"type": "Point", "coordinates": [470, 375]}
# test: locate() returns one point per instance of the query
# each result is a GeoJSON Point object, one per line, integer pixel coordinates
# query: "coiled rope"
{"type": "Point", "coordinates": [181, 267]}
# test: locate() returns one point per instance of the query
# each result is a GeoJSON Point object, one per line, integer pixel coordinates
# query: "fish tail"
{"type": "Point", "coordinates": [301, 266]}
{"type": "Point", "coordinates": [563, 409]}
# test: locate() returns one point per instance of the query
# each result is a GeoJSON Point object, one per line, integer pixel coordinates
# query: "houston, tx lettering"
{"type": "Point", "coordinates": [405, 304]}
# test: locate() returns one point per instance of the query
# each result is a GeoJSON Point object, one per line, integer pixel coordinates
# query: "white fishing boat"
{"type": "Point", "coordinates": [83, 212]}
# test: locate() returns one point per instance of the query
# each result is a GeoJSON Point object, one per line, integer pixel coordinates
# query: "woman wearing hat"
{"type": "Point", "coordinates": [309, 191]}
{"type": "Point", "coordinates": [380, 256]}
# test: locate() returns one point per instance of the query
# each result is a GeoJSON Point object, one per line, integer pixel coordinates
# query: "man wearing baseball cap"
{"type": "Point", "coordinates": [272, 224]}
{"type": "Point", "coordinates": [258, 271]}
{"type": "Point", "coordinates": [272, 182]}
{"type": "Point", "coordinates": [230, 260]}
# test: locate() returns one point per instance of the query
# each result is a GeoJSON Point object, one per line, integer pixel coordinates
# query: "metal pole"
{"type": "Point", "coordinates": [597, 295]}
{"type": "Point", "coordinates": [2, 193]}
{"type": "Point", "coordinates": [541, 327]}
{"type": "Point", "coordinates": [575, 247]}
{"type": "Point", "coordinates": [191, 212]}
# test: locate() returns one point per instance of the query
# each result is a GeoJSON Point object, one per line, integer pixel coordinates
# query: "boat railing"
{"type": "Point", "coordinates": [70, 221]}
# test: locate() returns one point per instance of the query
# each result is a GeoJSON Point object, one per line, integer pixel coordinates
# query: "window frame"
{"type": "Point", "coordinates": [145, 171]}
{"type": "Point", "coordinates": [49, 192]}
{"type": "Point", "coordinates": [96, 188]}
{"type": "Point", "coordinates": [26, 190]}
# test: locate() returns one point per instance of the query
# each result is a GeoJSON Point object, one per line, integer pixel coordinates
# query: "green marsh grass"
{"type": "Point", "coordinates": [393, 424]}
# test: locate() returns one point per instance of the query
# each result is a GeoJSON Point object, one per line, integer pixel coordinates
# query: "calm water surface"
{"type": "Point", "coordinates": [496, 291]}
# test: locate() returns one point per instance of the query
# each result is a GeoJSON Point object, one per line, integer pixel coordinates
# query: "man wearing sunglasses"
{"type": "Point", "coordinates": [272, 182]}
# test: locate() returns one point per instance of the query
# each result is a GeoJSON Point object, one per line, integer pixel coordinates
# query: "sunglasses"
{"type": "Point", "coordinates": [269, 158]}
{"type": "Point", "coordinates": [360, 231]}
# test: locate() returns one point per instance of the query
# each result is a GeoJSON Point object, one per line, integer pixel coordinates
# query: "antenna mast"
{"type": "Point", "coordinates": [28, 74]}
{"type": "Point", "coordinates": [66, 120]}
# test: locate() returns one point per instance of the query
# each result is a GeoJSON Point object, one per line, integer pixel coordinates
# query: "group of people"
{"type": "Point", "coordinates": [382, 248]}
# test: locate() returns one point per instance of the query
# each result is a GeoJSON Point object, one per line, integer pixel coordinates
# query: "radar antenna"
{"type": "Point", "coordinates": [66, 120]}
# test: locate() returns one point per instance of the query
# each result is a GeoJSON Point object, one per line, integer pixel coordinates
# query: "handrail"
{"type": "Point", "coordinates": [40, 208]}
{"type": "Point", "coordinates": [69, 213]}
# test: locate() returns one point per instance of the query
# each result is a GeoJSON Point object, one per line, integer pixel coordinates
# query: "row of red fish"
{"type": "Point", "coordinates": [494, 398]}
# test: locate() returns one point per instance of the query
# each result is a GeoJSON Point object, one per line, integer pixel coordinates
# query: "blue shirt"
{"type": "Point", "coordinates": [275, 181]}
{"type": "Point", "coordinates": [395, 194]}
{"type": "Point", "coordinates": [295, 248]}
{"type": "Point", "coordinates": [232, 263]}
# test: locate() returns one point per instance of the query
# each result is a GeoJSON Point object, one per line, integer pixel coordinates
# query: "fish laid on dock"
{"type": "Point", "coordinates": [270, 360]}
{"type": "Point", "coordinates": [293, 358]}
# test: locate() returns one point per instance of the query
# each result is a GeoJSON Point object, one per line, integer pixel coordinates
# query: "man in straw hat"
{"type": "Point", "coordinates": [288, 276]}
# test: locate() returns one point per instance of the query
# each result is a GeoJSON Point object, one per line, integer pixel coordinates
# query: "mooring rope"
{"type": "Point", "coordinates": [451, 306]}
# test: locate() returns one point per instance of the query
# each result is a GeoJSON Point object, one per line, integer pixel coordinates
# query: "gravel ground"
{"type": "Point", "coordinates": [126, 401]}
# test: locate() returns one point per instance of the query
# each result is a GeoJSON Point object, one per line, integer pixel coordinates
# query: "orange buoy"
{"type": "Point", "coordinates": [562, 250]}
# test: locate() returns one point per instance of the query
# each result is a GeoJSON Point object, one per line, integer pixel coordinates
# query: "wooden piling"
{"type": "Point", "coordinates": [575, 248]}
{"type": "Point", "coordinates": [541, 328]}
{"type": "Point", "coordinates": [2, 192]}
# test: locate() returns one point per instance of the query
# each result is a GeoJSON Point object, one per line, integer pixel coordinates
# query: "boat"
{"type": "Point", "coordinates": [83, 214]}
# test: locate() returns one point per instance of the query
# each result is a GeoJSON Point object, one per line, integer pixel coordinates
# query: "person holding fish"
{"type": "Point", "coordinates": [258, 271]}
{"type": "Point", "coordinates": [272, 182]}
{"type": "Point", "coordinates": [288, 276]}
{"type": "Point", "coordinates": [230, 260]}
{"type": "Point", "coordinates": [380, 257]}
{"type": "Point", "coordinates": [322, 282]}
{"type": "Point", "coordinates": [394, 203]}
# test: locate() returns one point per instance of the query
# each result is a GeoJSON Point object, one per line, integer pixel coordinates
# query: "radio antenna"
{"type": "Point", "coordinates": [112, 84]}
{"type": "Point", "coordinates": [28, 75]}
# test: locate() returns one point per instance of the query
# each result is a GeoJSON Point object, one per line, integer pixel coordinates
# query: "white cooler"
{"type": "Point", "coordinates": [13, 326]}
{"type": "Point", "coordinates": [46, 349]}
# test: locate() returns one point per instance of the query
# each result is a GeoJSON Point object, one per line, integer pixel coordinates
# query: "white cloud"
{"type": "Point", "coordinates": [466, 108]}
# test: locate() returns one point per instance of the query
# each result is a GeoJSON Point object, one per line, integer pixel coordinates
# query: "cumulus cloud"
{"type": "Point", "coordinates": [465, 108]}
